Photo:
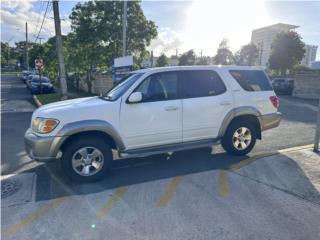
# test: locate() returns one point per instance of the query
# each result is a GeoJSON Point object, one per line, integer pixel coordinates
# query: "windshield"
{"type": "Point", "coordinates": [122, 87]}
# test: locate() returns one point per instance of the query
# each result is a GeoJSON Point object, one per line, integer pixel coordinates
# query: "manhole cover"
{"type": "Point", "coordinates": [9, 187]}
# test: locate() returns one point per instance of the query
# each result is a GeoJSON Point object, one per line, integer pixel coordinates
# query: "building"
{"type": "Point", "coordinates": [263, 38]}
{"type": "Point", "coordinates": [310, 55]}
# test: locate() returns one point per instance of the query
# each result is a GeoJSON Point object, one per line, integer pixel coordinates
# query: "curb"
{"type": "Point", "coordinates": [36, 100]}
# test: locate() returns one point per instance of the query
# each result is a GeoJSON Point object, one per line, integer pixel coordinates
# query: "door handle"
{"type": "Point", "coordinates": [171, 108]}
{"type": "Point", "coordinates": [225, 103]}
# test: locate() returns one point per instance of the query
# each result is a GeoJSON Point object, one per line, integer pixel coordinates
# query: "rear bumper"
{"type": "Point", "coordinates": [271, 120]}
{"type": "Point", "coordinates": [41, 149]}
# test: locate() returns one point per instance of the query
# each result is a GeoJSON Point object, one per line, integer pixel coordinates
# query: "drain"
{"type": "Point", "coordinates": [9, 187]}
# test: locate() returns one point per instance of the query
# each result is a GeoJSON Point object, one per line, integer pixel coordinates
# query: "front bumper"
{"type": "Point", "coordinates": [41, 149]}
{"type": "Point", "coordinates": [271, 120]}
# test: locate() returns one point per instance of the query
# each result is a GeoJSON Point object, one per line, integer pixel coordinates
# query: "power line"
{"type": "Point", "coordinates": [44, 17]}
{"type": "Point", "coordinates": [40, 13]}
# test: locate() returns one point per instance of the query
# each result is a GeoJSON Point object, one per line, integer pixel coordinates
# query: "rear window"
{"type": "Point", "coordinates": [252, 80]}
{"type": "Point", "coordinates": [201, 83]}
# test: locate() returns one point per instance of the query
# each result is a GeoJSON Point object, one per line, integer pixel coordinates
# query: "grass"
{"type": "Point", "coordinates": [49, 98]}
{"type": "Point", "coordinates": [55, 97]}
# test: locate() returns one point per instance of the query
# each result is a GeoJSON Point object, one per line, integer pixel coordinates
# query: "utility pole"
{"type": "Point", "coordinates": [9, 50]}
{"type": "Point", "coordinates": [62, 72]}
{"type": "Point", "coordinates": [317, 135]}
{"type": "Point", "coordinates": [26, 48]}
{"type": "Point", "coordinates": [124, 28]}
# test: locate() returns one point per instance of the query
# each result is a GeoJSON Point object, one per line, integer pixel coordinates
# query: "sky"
{"type": "Point", "coordinates": [182, 25]}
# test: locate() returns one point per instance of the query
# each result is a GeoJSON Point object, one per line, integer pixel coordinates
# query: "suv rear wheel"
{"type": "Point", "coordinates": [87, 160]}
{"type": "Point", "coordinates": [240, 138]}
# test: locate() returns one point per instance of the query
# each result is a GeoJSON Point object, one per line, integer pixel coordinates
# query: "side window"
{"type": "Point", "coordinates": [159, 87]}
{"type": "Point", "coordinates": [201, 83]}
{"type": "Point", "coordinates": [252, 80]}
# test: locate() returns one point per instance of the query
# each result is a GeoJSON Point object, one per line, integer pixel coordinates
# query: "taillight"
{"type": "Point", "coordinates": [275, 101]}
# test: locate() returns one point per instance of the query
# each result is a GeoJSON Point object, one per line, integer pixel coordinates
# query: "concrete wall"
{"type": "Point", "coordinates": [101, 83]}
{"type": "Point", "coordinates": [307, 84]}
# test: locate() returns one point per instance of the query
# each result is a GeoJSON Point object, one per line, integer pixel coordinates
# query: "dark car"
{"type": "Point", "coordinates": [29, 78]}
{"type": "Point", "coordinates": [25, 75]}
{"type": "Point", "coordinates": [41, 85]}
{"type": "Point", "coordinates": [283, 85]}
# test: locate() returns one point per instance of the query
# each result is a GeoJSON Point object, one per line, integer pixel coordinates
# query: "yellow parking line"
{"type": "Point", "coordinates": [223, 183]}
{"type": "Point", "coordinates": [245, 162]}
{"type": "Point", "coordinates": [167, 195]}
{"type": "Point", "coordinates": [292, 149]}
{"type": "Point", "coordinates": [117, 196]}
{"type": "Point", "coordinates": [33, 216]}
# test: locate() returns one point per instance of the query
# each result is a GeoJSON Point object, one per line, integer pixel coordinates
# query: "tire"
{"type": "Point", "coordinates": [76, 168]}
{"type": "Point", "coordinates": [236, 131]}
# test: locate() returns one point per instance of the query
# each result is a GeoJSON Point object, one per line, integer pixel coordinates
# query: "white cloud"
{"type": "Point", "coordinates": [168, 41]}
{"type": "Point", "coordinates": [14, 15]}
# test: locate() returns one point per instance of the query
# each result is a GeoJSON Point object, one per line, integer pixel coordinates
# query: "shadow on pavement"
{"type": "Point", "coordinates": [52, 183]}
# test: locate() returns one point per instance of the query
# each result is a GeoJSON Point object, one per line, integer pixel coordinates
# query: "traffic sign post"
{"type": "Point", "coordinates": [38, 63]}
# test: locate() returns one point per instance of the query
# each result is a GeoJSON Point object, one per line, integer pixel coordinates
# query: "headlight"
{"type": "Point", "coordinates": [44, 125]}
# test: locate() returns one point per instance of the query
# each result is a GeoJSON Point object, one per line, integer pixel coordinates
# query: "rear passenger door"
{"type": "Point", "coordinates": [206, 101]}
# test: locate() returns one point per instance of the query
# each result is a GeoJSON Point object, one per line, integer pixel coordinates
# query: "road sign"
{"type": "Point", "coordinates": [38, 63]}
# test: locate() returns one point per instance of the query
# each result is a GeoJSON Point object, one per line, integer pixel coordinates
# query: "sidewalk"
{"type": "Point", "coordinates": [295, 172]}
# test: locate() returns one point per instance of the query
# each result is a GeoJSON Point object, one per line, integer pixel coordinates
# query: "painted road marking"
{"type": "Point", "coordinates": [117, 196]}
{"type": "Point", "coordinates": [223, 183]}
{"type": "Point", "coordinates": [167, 195]}
{"type": "Point", "coordinates": [33, 216]}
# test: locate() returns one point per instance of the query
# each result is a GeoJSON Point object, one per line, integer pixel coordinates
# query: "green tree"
{"type": "Point", "coordinates": [203, 61]}
{"type": "Point", "coordinates": [187, 58]}
{"type": "Point", "coordinates": [224, 56]}
{"type": "Point", "coordinates": [287, 50]}
{"type": "Point", "coordinates": [162, 60]}
{"type": "Point", "coordinates": [96, 36]}
{"type": "Point", "coordinates": [247, 56]}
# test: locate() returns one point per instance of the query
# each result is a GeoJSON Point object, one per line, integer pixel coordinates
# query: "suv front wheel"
{"type": "Point", "coordinates": [87, 159]}
{"type": "Point", "coordinates": [240, 138]}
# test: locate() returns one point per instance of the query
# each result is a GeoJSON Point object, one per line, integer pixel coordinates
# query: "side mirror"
{"type": "Point", "coordinates": [135, 97]}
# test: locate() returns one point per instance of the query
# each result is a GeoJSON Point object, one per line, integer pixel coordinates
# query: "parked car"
{"type": "Point", "coordinates": [38, 85]}
{"type": "Point", "coordinates": [29, 78]}
{"type": "Point", "coordinates": [153, 111]}
{"type": "Point", "coordinates": [24, 75]}
{"type": "Point", "coordinates": [283, 85]}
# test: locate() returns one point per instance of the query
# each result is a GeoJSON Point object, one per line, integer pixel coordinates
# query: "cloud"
{"type": "Point", "coordinates": [14, 15]}
{"type": "Point", "coordinates": [167, 42]}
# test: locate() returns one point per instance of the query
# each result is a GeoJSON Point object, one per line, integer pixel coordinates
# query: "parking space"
{"type": "Point", "coordinates": [197, 194]}
{"type": "Point", "coordinates": [269, 198]}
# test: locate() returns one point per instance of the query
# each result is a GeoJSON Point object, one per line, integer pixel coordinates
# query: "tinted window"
{"type": "Point", "coordinates": [252, 80]}
{"type": "Point", "coordinates": [201, 83]}
{"type": "Point", "coordinates": [159, 87]}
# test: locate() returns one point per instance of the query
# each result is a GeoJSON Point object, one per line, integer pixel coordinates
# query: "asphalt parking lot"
{"type": "Point", "coordinates": [198, 194]}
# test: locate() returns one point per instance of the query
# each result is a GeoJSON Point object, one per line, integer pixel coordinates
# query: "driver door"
{"type": "Point", "coordinates": [157, 119]}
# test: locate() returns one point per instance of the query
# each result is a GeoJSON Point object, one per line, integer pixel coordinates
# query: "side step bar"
{"type": "Point", "coordinates": [142, 152]}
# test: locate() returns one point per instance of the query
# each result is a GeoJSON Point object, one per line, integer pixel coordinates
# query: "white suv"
{"type": "Point", "coordinates": [153, 111]}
